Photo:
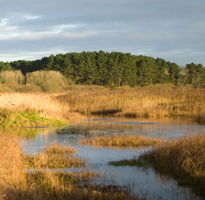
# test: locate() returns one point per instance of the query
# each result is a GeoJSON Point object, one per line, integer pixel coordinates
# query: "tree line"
{"type": "Point", "coordinates": [112, 69]}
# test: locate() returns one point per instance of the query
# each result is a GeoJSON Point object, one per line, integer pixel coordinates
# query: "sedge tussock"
{"type": "Point", "coordinates": [121, 141]}
{"type": "Point", "coordinates": [56, 148]}
{"type": "Point", "coordinates": [55, 156]}
{"type": "Point", "coordinates": [183, 158]}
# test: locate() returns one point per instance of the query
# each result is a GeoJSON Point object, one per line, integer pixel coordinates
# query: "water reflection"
{"type": "Point", "coordinates": [143, 181]}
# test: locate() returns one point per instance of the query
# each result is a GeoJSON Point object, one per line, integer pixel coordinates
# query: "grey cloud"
{"type": "Point", "coordinates": [154, 27]}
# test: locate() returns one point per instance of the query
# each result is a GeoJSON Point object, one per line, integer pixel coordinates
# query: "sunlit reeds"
{"type": "Point", "coordinates": [121, 141]}
{"type": "Point", "coordinates": [16, 183]}
{"type": "Point", "coordinates": [11, 165]}
{"type": "Point", "coordinates": [54, 156]}
{"type": "Point", "coordinates": [131, 102]}
{"type": "Point", "coordinates": [137, 102]}
{"type": "Point", "coordinates": [56, 148]}
{"type": "Point", "coordinates": [183, 158]}
{"type": "Point", "coordinates": [44, 103]}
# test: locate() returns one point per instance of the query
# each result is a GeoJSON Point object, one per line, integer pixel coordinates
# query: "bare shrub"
{"type": "Point", "coordinates": [47, 80]}
{"type": "Point", "coordinates": [12, 77]}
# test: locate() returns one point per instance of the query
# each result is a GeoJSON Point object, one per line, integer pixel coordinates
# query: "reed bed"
{"type": "Point", "coordinates": [18, 184]}
{"type": "Point", "coordinates": [11, 165]}
{"type": "Point", "coordinates": [55, 156]}
{"type": "Point", "coordinates": [183, 158]}
{"type": "Point", "coordinates": [121, 141]}
{"type": "Point", "coordinates": [132, 102]}
{"type": "Point", "coordinates": [44, 103]}
{"type": "Point", "coordinates": [73, 186]}
{"type": "Point", "coordinates": [137, 102]}
{"type": "Point", "coordinates": [56, 148]}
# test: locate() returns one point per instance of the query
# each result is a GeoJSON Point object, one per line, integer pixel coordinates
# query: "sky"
{"type": "Point", "coordinates": [172, 30]}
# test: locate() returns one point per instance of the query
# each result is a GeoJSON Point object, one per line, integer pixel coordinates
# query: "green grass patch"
{"type": "Point", "coordinates": [132, 163]}
{"type": "Point", "coordinates": [27, 118]}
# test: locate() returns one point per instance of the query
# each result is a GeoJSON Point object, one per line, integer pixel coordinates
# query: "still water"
{"type": "Point", "coordinates": [143, 181]}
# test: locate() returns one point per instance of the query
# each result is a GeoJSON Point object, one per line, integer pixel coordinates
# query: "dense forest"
{"type": "Point", "coordinates": [112, 69]}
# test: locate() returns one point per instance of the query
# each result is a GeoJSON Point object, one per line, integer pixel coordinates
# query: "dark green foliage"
{"type": "Point", "coordinates": [196, 74]}
{"type": "Point", "coordinates": [5, 67]}
{"type": "Point", "coordinates": [112, 69]}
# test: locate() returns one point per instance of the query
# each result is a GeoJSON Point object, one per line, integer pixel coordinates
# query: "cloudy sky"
{"type": "Point", "coordinates": [173, 30]}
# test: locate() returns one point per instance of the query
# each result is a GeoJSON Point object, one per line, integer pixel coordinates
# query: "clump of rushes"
{"type": "Point", "coordinates": [121, 141]}
{"type": "Point", "coordinates": [56, 148]}
{"type": "Point", "coordinates": [183, 158]}
{"type": "Point", "coordinates": [55, 156]}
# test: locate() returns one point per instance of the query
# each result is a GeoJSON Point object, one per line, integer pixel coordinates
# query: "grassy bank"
{"type": "Point", "coordinates": [16, 183]}
{"type": "Point", "coordinates": [182, 158]}
{"type": "Point", "coordinates": [10, 119]}
{"type": "Point", "coordinates": [45, 104]}
{"type": "Point", "coordinates": [120, 141]}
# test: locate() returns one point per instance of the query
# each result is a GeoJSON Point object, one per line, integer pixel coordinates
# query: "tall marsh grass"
{"type": "Point", "coordinates": [44, 103]}
{"type": "Point", "coordinates": [137, 102]}
{"type": "Point", "coordinates": [183, 158]}
{"type": "Point", "coordinates": [12, 168]}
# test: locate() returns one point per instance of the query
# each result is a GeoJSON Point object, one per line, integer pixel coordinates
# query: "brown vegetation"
{"type": "Point", "coordinates": [16, 183]}
{"type": "Point", "coordinates": [121, 141]}
{"type": "Point", "coordinates": [44, 103]}
{"type": "Point", "coordinates": [137, 102]}
{"type": "Point", "coordinates": [54, 156]}
{"type": "Point", "coordinates": [128, 102]}
{"type": "Point", "coordinates": [183, 158]}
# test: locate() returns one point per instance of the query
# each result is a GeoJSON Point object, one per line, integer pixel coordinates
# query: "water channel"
{"type": "Point", "coordinates": [143, 181]}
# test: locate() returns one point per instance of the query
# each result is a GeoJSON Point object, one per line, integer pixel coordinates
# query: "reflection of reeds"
{"type": "Point", "coordinates": [184, 158]}
{"type": "Point", "coordinates": [121, 141]}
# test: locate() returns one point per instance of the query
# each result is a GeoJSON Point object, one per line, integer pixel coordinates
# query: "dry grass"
{"type": "Point", "coordinates": [137, 102]}
{"type": "Point", "coordinates": [183, 158]}
{"type": "Point", "coordinates": [17, 184]}
{"type": "Point", "coordinates": [55, 156]}
{"type": "Point", "coordinates": [56, 148]}
{"type": "Point", "coordinates": [132, 102]}
{"type": "Point", "coordinates": [11, 166]}
{"type": "Point", "coordinates": [121, 141]}
{"type": "Point", "coordinates": [44, 103]}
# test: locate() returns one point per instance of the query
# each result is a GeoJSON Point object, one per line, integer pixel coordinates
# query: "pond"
{"type": "Point", "coordinates": [142, 181]}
